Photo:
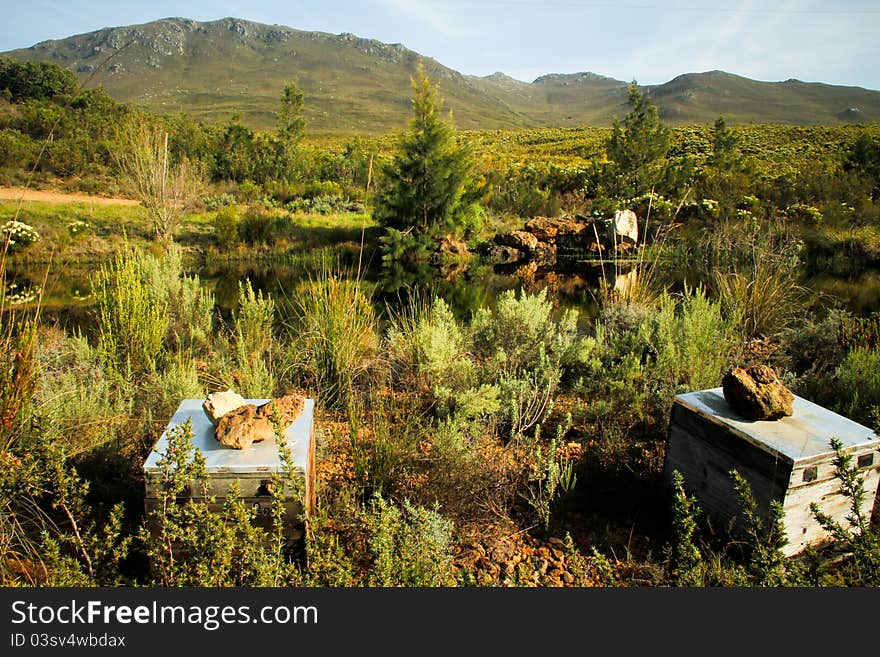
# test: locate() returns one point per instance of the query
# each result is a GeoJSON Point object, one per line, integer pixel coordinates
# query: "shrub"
{"type": "Point", "coordinates": [132, 321]}
{"type": "Point", "coordinates": [509, 336]}
{"type": "Point", "coordinates": [858, 379]}
{"type": "Point", "coordinates": [78, 227]}
{"type": "Point", "coordinates": [260, 226]}
{"type": "Point", "coordinates": [410, 545]}
{"type": "Point", "coordinates": [18, 234]}
{"type": "Point", "coordinates": [428, 349]}
{"type": "Point", "coordinates": [334, 334]}
{"type": "Point", "coordinates": [225, 222]}
{"type": "Point", "coordinates": [188, 544]}
{"type": "Point", "coordinates": [856, 537]}
{"type": "Point", "coordinates": [765, 294]}
{"type": "Point", "coordinates": [253, 353]}
{"type": "Point", "coordinates": [214, 203]}
{"type": "Point", "coordinates": [247, 192]}
{"type": "Point", "coordinates": [804, 213]}
{"type": "Point", "coordinates": [685, 559]}
{"type": "Point", "coordinates": [692, 339]}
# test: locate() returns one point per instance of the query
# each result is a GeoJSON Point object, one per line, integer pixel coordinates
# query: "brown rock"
{"type": "Point", "coordinates": [546, 229]}
{"type": "Point", "coordinates": [568, 578]}
{"type": "Point", "coordinates": [450, 247]}
{"type": "Point", "coordinates": [251, 424]}
{"type": "Point", "coordinates": [518, 239]}
{"type": "Point", "coordinates": [235, 428]}
{"type": "Point", "coordinates": [757, 393]}
{"type": "Point", "coordinates": [288, 408]}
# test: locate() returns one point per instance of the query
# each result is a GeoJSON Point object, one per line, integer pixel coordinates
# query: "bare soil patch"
{"type": "Point", "coordinates": [47, 196]}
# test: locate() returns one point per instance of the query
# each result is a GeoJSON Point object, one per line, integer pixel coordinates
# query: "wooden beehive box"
{"type": "Point", "coordinates": [789, 460]}
{"type": "Point", "coordinates": [251, 469]}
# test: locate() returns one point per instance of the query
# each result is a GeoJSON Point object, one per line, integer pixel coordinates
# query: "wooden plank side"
{"type": "Point", "coordinates": [706, 471]}
{"type": "Point", "coordinates": [293, 513]}
{"type": "Point", "coordinates": [723, 438]}
{"type": "Point", "coordinates": [219, 485]}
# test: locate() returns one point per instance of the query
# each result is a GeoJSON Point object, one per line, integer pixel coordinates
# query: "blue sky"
{"type": "Point", "coordinates": [647, 40]}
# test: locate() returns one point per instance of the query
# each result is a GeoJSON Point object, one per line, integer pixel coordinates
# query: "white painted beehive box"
{"type": "Point", "coordinates": [251, 469]}
{"type": "Point", "coordinates": [789, 460]}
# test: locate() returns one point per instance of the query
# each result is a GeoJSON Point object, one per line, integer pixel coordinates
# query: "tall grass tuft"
{"type": "Point", "coordinates": [254, 351]}
{"type": "Point", "coordinates": [760, 284]}
{"type": "Point", "coordinates": [333, 330]}
{"type": "Point", "coordinates": [132, 322]}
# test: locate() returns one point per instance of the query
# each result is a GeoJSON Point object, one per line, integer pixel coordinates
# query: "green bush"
{"type": "Point", "coordinates": [132, 321]}
{"type": "Point", "coordinates": [858, 384]}
{"type": "Point", "coordinates": [804, 213]}
{"type": "Point", "coordinates": [261, 226]}
{"type": "Point", "coordinates": [225, 222]}
{"type": "Point", "coordinates": [410, 545]}
{"type": "Point", "coordinates": [188, 544]}
{"type": "Point", "coordinates": [333, 337]}
{"type": "Point", "coordinates": [428, 349]}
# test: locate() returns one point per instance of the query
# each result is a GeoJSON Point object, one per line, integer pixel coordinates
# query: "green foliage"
{"type": "Point", "coordinates": [638, 147]}
{"type": "Point", "coordinates": [17, 235]}
{"type": "Point", "coordinates": [763, 290]}
{"type": "Point", "coordinates": [858, 384]}
{"type": "Point", "coordinates": [863, 158]}
{"type": "Point", "coordinates": [291, 122]}
{"type": "Point", "coordinates": [427, 348]}
{"type": "Point", "coordinates": [254, 375]}
{"type": "Point", "coordinates": [259, 226]}
{"type": "Point", "coordinates": [427, 183]}
{"type": "Point", "coordinates": [725, 155]}
{"type": "Point", "coordinates": [333, 333]}
{"type": "Point", "coordinates": [190, 545]}
{"type": "Point", "coordinates": [132, 322]}
{"type": "Point", "coordinates": [766, 537]}
{"type": "Point", "coordinates": [856, 536]}
{"type": "Point", "coordinates": [410, 545]}
{"type": "Point", "coordinates": [226, 221]}
{"type": "Point", "coordinates": [693, 340]}
{"type": "Point", "coordinates": [35, 80]}
{"type": "Point", "coordinates": [685, 559]}
{"type": "Point", "coordinates": [804, 213]}
{"type": "Point", "coordinates": [551, 478]}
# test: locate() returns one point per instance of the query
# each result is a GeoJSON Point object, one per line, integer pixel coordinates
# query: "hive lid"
{"type": "Point", "coordinates": [803, 436]}
{"type": "Point", "coordinates": [259, 457]}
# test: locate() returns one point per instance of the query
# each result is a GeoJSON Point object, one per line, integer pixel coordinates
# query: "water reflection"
{"type": "Point", "coordinates": [465, 286]}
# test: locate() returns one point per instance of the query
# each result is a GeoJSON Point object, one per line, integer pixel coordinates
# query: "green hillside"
{"type": "Point", "coordinates": [216, 69]}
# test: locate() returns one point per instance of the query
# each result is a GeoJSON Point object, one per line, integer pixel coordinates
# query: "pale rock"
{"type": "Point", "coordinates": [219, 404]}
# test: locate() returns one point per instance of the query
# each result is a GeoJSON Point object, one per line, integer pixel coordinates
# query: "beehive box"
{"type": "Point", "coordinates": [251, 469]}
{"type": "Point", "coordinates": [789, 460]}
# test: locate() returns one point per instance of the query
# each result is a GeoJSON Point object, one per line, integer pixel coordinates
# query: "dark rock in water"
{"type": "Point", "coordinates": [505, 254]}
{"type": "Point", "coordinates": [757, 393]}
{"type": "Point", "coordinates": [545, 254]}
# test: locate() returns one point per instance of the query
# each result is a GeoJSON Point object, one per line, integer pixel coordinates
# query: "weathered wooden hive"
{"type": "Point", "coordinates": [789, 460]}
{"type": "Point", "coordinates": [251, 469]}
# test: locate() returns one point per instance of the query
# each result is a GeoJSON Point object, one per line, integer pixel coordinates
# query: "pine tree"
{"type": "Point", "coordinates": [428, 183]}
{"type": "Point", "coordinates": [725, 155]}
{"type": "Point", "coordinates": [639, 146]}
{"type": "Point", "coordinates": [290, 119]}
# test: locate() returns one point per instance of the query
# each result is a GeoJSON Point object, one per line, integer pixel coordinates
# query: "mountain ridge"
{"type": "Point", "coordinates": [214, 69]}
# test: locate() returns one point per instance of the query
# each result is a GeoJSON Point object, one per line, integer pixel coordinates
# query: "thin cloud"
{"type": "Point", "coordinates": [427, 14]}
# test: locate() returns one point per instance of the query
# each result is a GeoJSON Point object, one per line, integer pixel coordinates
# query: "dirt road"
{"type": "Point", "coordinates": [15, 193]}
